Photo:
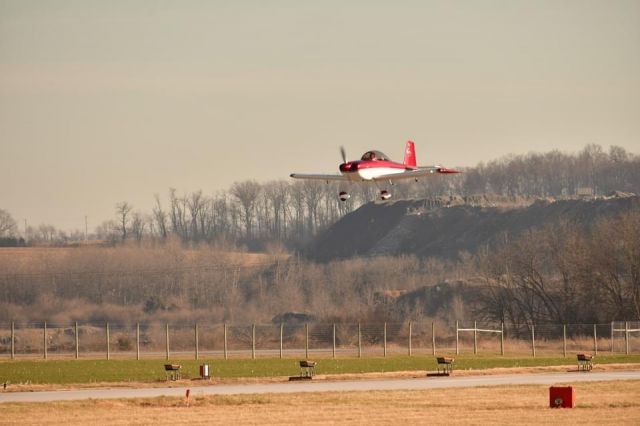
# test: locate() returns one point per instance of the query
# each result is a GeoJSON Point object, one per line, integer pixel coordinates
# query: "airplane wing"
{"type": "Point", "coordinates": [317, 177]}
{"type": "Point", "coordinates": [417, 173]}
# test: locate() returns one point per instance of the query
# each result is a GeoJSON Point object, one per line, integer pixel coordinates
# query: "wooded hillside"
{"type": "Point", "coordinates": [445, 227]}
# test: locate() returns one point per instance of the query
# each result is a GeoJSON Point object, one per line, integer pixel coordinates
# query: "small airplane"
{"type": "Point", "coordinates": [376, 167]}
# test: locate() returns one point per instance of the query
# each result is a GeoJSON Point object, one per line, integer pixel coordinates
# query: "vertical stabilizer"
{"type": "Point", "coordinates": [410, 154]}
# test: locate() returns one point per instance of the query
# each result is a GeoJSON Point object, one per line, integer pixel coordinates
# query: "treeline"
{"type": "Point", "coordinates": [557, 174]}
{"type": "Point", "coordinates": [565, 274]}
{"type": "Point", "coordinates": [561, 274]}
{"type": "Point", "coordinates": [170, 282]}
{"type": "Point", "coordinates": [288, 213]}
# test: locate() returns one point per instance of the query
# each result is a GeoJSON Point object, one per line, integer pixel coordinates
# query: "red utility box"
{"type": "Point", "coordinates": [562, 397]}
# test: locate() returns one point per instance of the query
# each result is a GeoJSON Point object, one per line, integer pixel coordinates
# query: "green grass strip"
{"type": "Point", "coordinates": [91, 371]}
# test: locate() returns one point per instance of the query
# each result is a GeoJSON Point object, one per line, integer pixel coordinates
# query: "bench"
{"type": "Point", "coordinates": [585, 362]}
{"type": "Point", "coordinates": [307, 368]}
{"type": "Point", "coordinates": [172, 371]}
{"type": "Point", "coordinates": [445, 365]}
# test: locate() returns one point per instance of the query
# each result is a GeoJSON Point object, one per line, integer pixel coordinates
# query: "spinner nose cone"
{"type": "Point", "coordinates": [348, 167]}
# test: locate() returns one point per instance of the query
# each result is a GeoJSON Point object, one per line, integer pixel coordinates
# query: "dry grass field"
{"type": "Point", "coordinates": [597, 403]}
{"type": "Point", "coordinates": [40, 259]}
{"type": "Point", "coordinates": [127, 283]}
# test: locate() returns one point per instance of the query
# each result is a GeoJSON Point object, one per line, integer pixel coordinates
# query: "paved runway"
{"type": "Point", "coordinates": [324, 386]}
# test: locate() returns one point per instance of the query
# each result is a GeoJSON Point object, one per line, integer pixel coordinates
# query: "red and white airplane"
{"type": "Point", "coordinates": [376, 167]}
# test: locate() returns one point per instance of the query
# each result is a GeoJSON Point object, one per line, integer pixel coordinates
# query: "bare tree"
{"type": "Point", "coordinates": [122, 210]}
{"type": "Point", "coordinates": [138, 224]}
{"type": "Point", "coordinates": [614, 264]}
{"type": "Point", "coordinates": [220, 213]}
{"type": "Point", "coordinates": [178, 213]}
{"type": "Point", "coordinates": [297, 205]}
{"type": "Point", "coordinates": [107, 231]}
{"type": "Point", "coordinates": [8, 226]}
{"type": "Point", "coordinates": [160, 217]}
{"type": "Point", "coordinates": [247, 194]}
{"type": "Point", "coordinates": [312, 192]}
{"type": "Point", "coordinates": [277, 193]}
{"type": "Point", "coordinates": [46, 233]}
{"type": "Point", "coordinates": [197, 205]}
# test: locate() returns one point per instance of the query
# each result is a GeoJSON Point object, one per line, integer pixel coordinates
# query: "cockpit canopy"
{"type": "Point", "coordinates": [374, 155]}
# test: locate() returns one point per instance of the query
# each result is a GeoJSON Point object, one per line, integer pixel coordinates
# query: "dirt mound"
{"type": "Point", "coordinates": [445, 226]}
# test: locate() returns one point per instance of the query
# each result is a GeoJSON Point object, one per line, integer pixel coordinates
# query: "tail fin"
{"type": "Point", "coordinates": [410, 154]}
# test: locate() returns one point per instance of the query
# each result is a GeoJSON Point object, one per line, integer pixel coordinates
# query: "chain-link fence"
{"type": "Point", "coordinates": [207, 340]}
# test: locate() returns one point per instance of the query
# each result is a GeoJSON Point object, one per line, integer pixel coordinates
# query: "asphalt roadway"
{"type": "Point", "coordinates": [325, 386]}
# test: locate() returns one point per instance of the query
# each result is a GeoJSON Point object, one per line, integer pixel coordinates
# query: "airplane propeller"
{"type": "Point", "coordinates": [344, 154]}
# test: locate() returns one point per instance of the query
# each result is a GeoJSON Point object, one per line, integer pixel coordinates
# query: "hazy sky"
{"type": "Point", "coordinates": [105, 101]}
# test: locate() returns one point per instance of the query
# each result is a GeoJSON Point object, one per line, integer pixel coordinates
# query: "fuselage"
{"type": "Point", "coordinates": [371, 169]}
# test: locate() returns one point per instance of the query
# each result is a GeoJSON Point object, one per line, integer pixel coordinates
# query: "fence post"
{"type": "Point", "coordinates": [281, 336]}
{"type": "Point", "coordinates": [533, 340]}
{"type": "Point", "coordinates": [457, 348]}
{"type": "Point", "coordinates": [167, 339]}
{"type": "Point", "coordinates": [502, 338]}
{"type": "Point", "coordinates": [13, 340]}
{"type": "Point", "coordinates": [611, 336]}
{"type": "Point", "coordinates": [76, 337]}
{"type": "Point", "coordinates": [359, 342]}
{"type": "Point", "coordinates": [595, 340]}
{"type": "Point", "coordinates": [384, 338]}
{"type": "Point", "coordinates": [433, 338]}
{"type": "Point", "coordinates": [44, 335]}
{"type": "Point", "coordinates": [196, 342]}
{"type": "Point", "coordinates": [138, 341]}
{"type": "Point", "coordinates": [253, 341]}
{"type": "Point", "coordinates": [306, 341]}
{"type": "Point", "coordinates": [409, 347]}
{"type": "Point", "coordinates": [475, 338]}
{"type": "Point", "coordinates": [107, 338]}
{"type": "Point", "coordinates": [564, 340]}
{"type": "Point", "coordinates": [225, 341]}
{"type": "Point", "coordinates": [626, 337]}
{"type": "Point", "coordinates": [334, 341]}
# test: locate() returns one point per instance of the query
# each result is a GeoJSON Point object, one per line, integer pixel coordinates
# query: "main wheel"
{"type": "Point", "coordinates": [344, 196]}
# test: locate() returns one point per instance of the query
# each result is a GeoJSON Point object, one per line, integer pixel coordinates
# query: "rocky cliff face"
{"type": "Point", "coordinates": [444, 227]}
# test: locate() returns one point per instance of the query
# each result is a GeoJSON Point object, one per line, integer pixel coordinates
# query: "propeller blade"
{"type": "Point", "coordinates": [344, 154]}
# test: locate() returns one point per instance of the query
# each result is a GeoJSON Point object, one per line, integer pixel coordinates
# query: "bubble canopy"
{"type": "Point", "coordinates": [374, 155]}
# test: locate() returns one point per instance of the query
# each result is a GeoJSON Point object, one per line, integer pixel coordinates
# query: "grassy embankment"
{"type": "Point", "coordinates": [94, 371]}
